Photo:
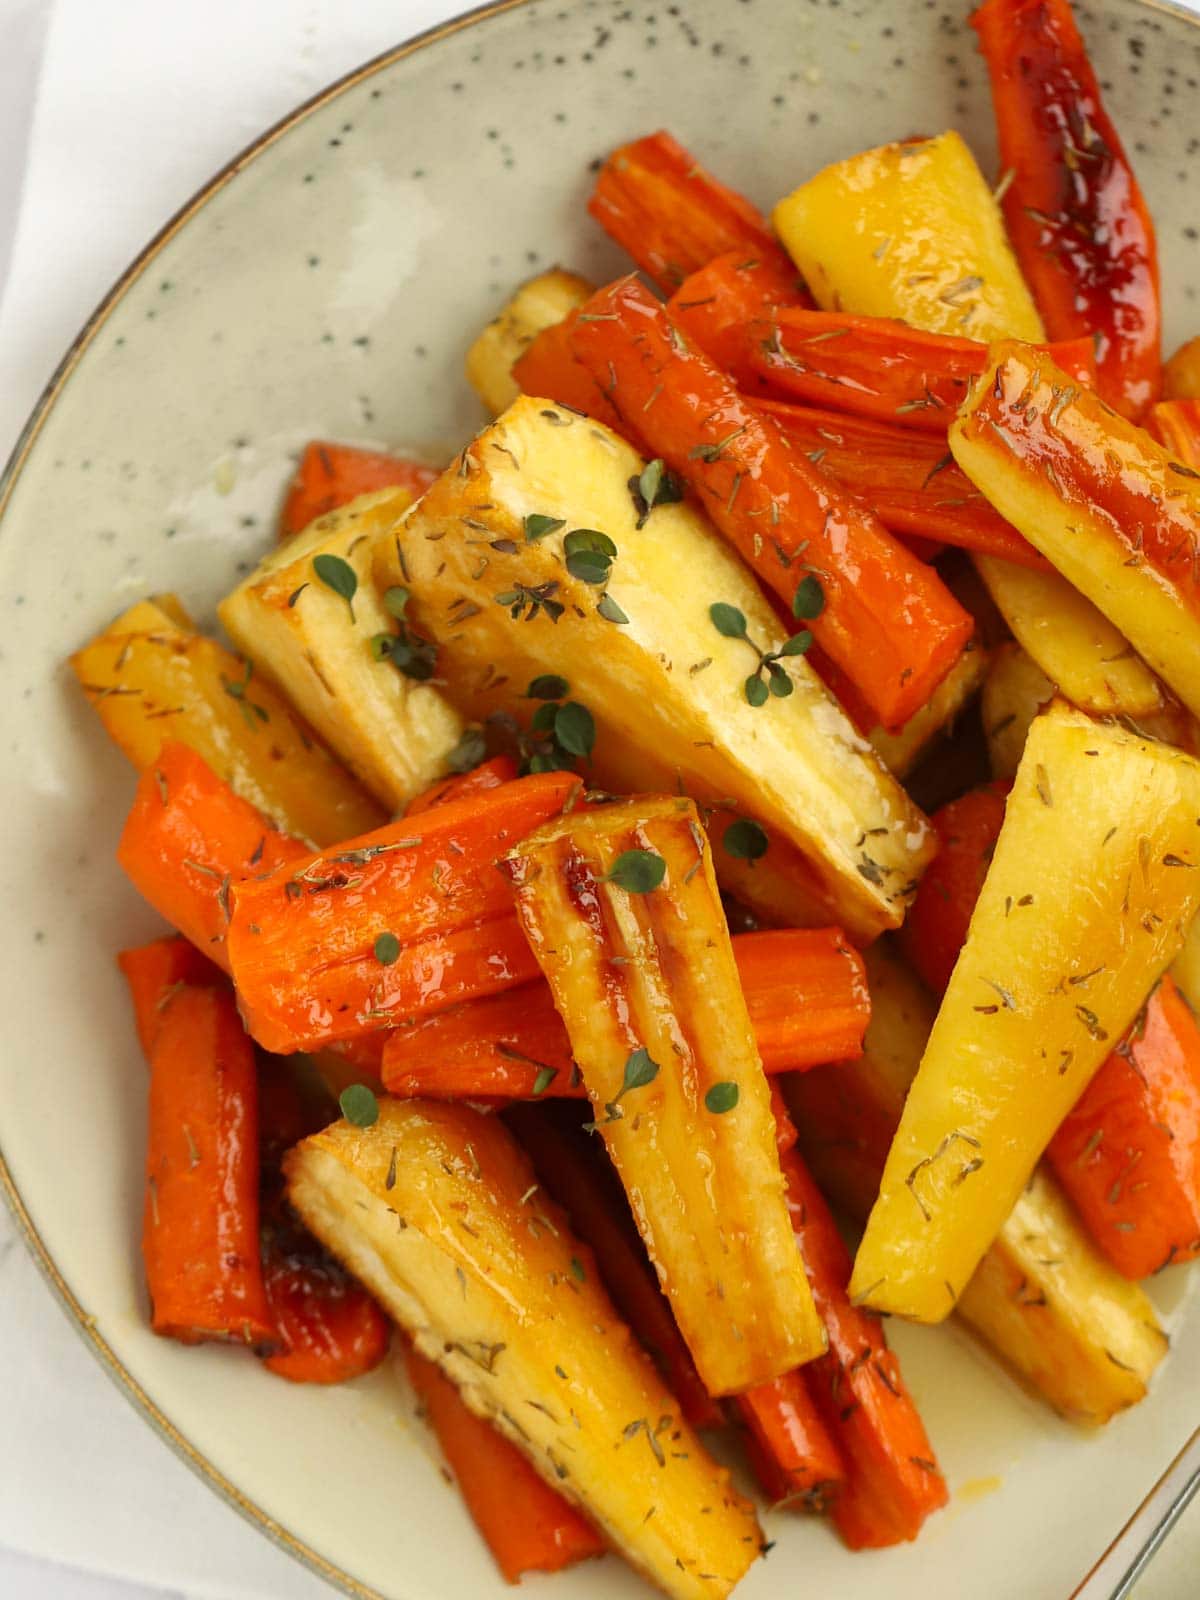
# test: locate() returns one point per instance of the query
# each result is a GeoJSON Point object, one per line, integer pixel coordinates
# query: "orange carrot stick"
{"type": "Point", "coordinates": [791, 1450]}
{"type": "Point", "coordinates": [935, 929]}
{"type": "Point", "coordinates": [892, 1480]}
{"type": "Point", "coordinates": [909, 479]}
{"type": "Point", "coordinates": [717, 304]}
{"type": "Point", "coordinates": [547, 368]}
{"type": "Point", "coordinates": [805, 990]}
{"type": "Point", "coordinates": [672, 216]}
{"type": "Point", "coordinates": [153, 972]}
{"type": "Point", "coordinates": [1176, 426]}
{"type": "Point", "coordinates": [399, 922]}
{"type": "Point", "coordinates": [578, 1175]}
{"type": "Point", "coordinates": [527, 1525]}
{"type": "Point", "coordinates": [1128, 1155]}
{"type": "Point", "coordinates": [461, 785]}
{"type": "Point", "coordinates": [331, 475]}
{"type": "Point", "coordinates": [877, 367]}
{"type": "Point", "coordinates": [887, 620]}
{"type": "Point", "coordinates": [200, 1223]}
{"type": "Point", "coordinates": [187, 838]}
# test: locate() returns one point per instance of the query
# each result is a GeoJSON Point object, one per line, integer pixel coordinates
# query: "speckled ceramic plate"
{"type": "Point", "coordinates": [328, 282]}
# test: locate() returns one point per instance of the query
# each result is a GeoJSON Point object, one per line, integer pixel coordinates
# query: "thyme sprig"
{"type": "Point", "coordinates": [729, 621]}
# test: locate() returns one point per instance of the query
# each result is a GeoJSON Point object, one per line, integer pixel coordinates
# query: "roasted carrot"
{"type": "Point", "coordinates": [908, 478]}
{"type": "Point", "coordinates": [399, 922]}
{"type": "Point", "coordinates": [331, 475]}
{"type": "Point", "coordinates": [887, 620]}
{"type": "Point", "coordinates": [153, 972]}
{"type": "Point", "coordinates": [878, 367]}
{"type": "Point", "coordinates": [936, 927]}
{"type": "Point", "coordinates": [200, 1223]}
{"type": "Point", "coordinates": [791, 1450]}
{"type": "Point", "coordinates": [1077, 218]}
{"type": "Point", "coordinates": [717, 304]}
{"type": "Point", "coordinates": [1176, 426]}
{"type": "Point", "coordinates": [187, 838]}
{"type": "Point", "coordinates": [672, 216]}
{"type": "Point", "coordinates": [461, 785]}
{"type": "Point", "coordinates": [548, 369]}
{"type": "Point", "coordinates": [892, 1480]}
{"type": "Point", "coordinates": [805, 991]}
{"type": "Point", "coordinates": [527, 1525]}
{"type": "Point", "coordinates": [1128, 1155]}
{"type": "Point", "coordinates": [579, 1176]}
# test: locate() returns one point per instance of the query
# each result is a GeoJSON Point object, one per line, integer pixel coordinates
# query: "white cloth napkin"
{"type": "Point", "coordinates": [138, 103]}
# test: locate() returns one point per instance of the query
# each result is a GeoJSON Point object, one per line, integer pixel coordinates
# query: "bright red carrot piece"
{"type": "Point", "coordinates": [1176, 426]}
{"type": "Point", "coordinates": [791, 1450]}
{"type": "Point", "coordinates": [1076, 215]}
{"type": "Point", "coordinates": [461, 785]}
{"type": "Point", "coordinates": [399, 922]}
{"type": "Point", "coordinates": [888, 621]}
{"type": "Point", "coordinates": [892, 1479]}
{"type": "Point", "coordinates": [547, 368]}
{"type": "Point", "coordinates": [331, 475]}
{"type": "Point", "coordinates": [877, 367]}
{"type": "Point", "coordinates": [200, 1224]}
{"type": "Point", "coordinates": [188, 838]}
{"type": "Point", "coordinates": [577, 1174]}
{"type": "Point", "coordinates": [805, 991]}
{"type": "Point", "coordinates": [153, 972]}
{"type": "Point", "coordinates": [1128, 1155]}
{"type": "Point", "coordinates": [672, 216]}
{"type": "Point", "coordinates": [716, 305]}
{"type": "Point", "coordinates": [527, 1525]}
{"type": "Point", "coordinates": [936, 926]}
{"type": "Point", "coordinates": [909, 479]}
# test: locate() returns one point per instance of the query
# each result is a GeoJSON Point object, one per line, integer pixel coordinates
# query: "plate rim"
{"type": "Point", "coordinates": [81, 1320]}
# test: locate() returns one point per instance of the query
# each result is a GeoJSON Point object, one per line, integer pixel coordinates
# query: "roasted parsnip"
{"type": "Point", "coordinates": [901, 751]}
{"type": "Point", "coordinates": [310, 616]}
{"type": "Point", "coordinates": [912, 222]}
{"type": "Point", "coordinates": [621, 908]}
{"type": "Point", "coordinates": [1043, 1300]}
{"type": "Point", "coordinates": [1015, 691]}
{"type": "Point", "coordinates": [154, 680]}
{"type": "Point", "coordinates": [436, 1209]}
{"type": "Point", "coordinates": [1090, 892]}
{"type": "Point", "coordinates": [539, 303]}
{"type": "Point", "coordinates": [488, 552]}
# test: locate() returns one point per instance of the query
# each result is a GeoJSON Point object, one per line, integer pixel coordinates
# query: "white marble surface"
{"type": "Point", "coordinates": [111, 113]}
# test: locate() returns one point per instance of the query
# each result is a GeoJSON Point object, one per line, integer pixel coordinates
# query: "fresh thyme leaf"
{"type": "Point", "coordinates": [387, 949]}
{"type": "Point", "coordinates": [337, 575]}
{"type": "Point", "coordinates": [544, 1079]}
{"type": "Point", "coordinates": [654, 486]}
{"type": "Point", "coordinates": [745, 840]}
{"type": "Point", "coordinates": [756, 690]}
{"type": "Point", "coordinates": [779, 683]}
{"type": "Point", "coordinates": [577, 1270]}
{"type": "Point", "coordinates": [359, 1105]}
{"type": "Point", "coordinates": [727, 619]}
{"type": "Point", "coordinates": [395, 600]}
{"type": "Point", "coordinates": [808, 602]}
{"type": "Point", "coordinates": [468, 752]}
{"type": "Point", "coordinates": [380, 645]}
{"type": "Point", "coordinates": [589, 555]}
{"type": "Point", "coordinates": [637, 871]}
{"type": "Point", "coordinates": [538, 526]}
{"type": "Point", "coordinates": [799, 644]}
{"type": "Point", "coordinates": [721, 1097]}
{"type": "Point", "coordinates": [548, 687]}
{"type": "Point", "coordinates": [640, 1070]}
{"type": "Point", "coordinates": [575, 729]}
{"type": "Point", "coordinates": [610, 610]}
{"type": "Point", "coordinates": [542, 720]}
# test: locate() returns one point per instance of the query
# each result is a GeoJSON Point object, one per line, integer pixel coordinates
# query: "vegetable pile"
{"type": "Point", "coordinates": [755, 779]}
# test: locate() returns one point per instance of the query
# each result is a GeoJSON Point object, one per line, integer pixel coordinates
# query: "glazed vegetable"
{"type": "Point", "coordinates": [936, 928]}
{"type": "Point", "coordinates": [892, 1479]}
{"type": "Point", "coordinates": [154, 680]}
{"type": "Point", "coordinates": [436, 1210]}
{"type": "Point", "coordinates": [579, 1177]}
{"type": "Point", "coordinates": [901, 752]}
{"type": "Point", "coordinates": [154, 972]}
{"type": "Point", "coordinates": [344, 654]}
{"type": "Point", "coordinates": [1075, 213]}
{"type": "Point", "coordinates": [1181, 375]}
{"type": "Point", "coordinates": [715, 306]}
{"type": "Point", "coordinates": [188, 838]}
{"type": "Point", "coordinates": [672, 216]}
{"type": "Point", "coordinates": [1015, 691]}
{"type": "Point", "coordinates": [621, 909]}
{"type": "Point", "coordinates": [539, 303]}
{"type": "Point", "coordinates": [405, 920]}
{"type": "Point", "coordinates": [547, 368]}
{"type": "Point", "coordinates": [1128, 1154]}
{"type": "Point", "coordinates": [331, 475]}
{"type": "Point", "coordinates": [910, 230]}
{"type": "Point", "coordinates": [1110, 508]}
{"type": "Point", "coordinates": [462, 785]}
{"type": "Point", "coordinates": [1176, 426]}
{"type": "Point", "coordinates": [908, 478]}
{"type": "Point", "coordinates": [665, 690]}
{"type": "Point", "coordinates": [528, 1526]}
{"type": "Point", "coordinates": [793, 1454]}
{"type": "Point", "coordinates": [200, 1222]}
{"type": "Point", "coordinates": [1100, 830]}
{"type": "Point", "coordinates": [878, 367]}
{"type": "Point", "coordinates": [804, 989]}
{"type": "Point", "coordinates": [885, 618]}
{"type": "Point", "coordinates": [1042, 1300]}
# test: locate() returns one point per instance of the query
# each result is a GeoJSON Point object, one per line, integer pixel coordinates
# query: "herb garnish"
{"type": "Point", "coordinates": [589, 555]}
{"type": "Point", "coordinates": [537, 526]}
{"type": "Point", "coordinates": [468, 752]}
{"type": "Point", "coordinates": [236, 690]}
{"type": "Point", "coordinates": [530, 599]}
{"type": "Point", "coordinates": [731, 622]}
{"type": "Point", "coordinates": [339, 576]}
{"type": "Point", "coordinates": [721, 1097]}
{"type": "Point", "coordinates": [745, 840]}
{"type": "Point", "coordinates": [408, 651]}
{"type": "Point", "coordinates": [387, 949]}
{"type": "Point", "coordinates": [637, 872]}
{"type": "Point", "coordinates": [359, 1105]}
{"type": "Point", "coordinates": [808, 602]}
{"type": "Point", "coordinates": [548, 687]}
{"type": "Point", "coordinates": [545, 1077]}
{"type": "Point", "coordinates": [654, 486]}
